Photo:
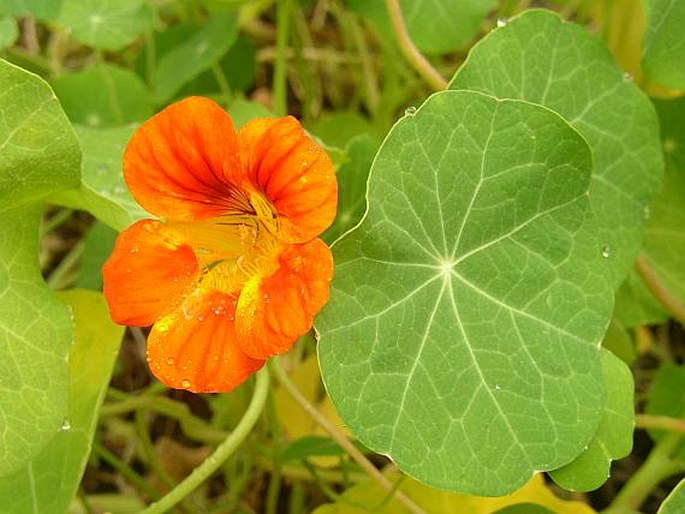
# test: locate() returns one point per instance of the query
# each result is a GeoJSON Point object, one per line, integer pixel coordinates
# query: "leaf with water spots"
{"type": "Point", "coordinates": [467, 308]}
{"type": "Point", "coordinates": [540, 58]}
{"type": "Point", "coordinates": [49, 481]}
{"type": "Point", "coordinates": [39, 156]}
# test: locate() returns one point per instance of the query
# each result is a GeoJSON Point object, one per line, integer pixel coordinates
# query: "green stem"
{"type": "Point", "coordinates": [340, 438]}
{"type": "Point", "coordinates": [660, 423]}
{"type": "Point", "coordinates": [126, 471]}
{"type": "Point", "coordinates": [411, 53]}
{"type": "Point", "coordinates": [63, 275]}
{"type": "Point", "coordinates": [658, 466]}
{"type": "Point", "coordinates": [223, 451]}
{"type": "Point", "coordinates": [274, 489]}
{"type": "Point", "coordinates": [280, 66]}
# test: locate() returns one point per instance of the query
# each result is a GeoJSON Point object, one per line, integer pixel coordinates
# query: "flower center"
{"type": "Point", "coordinates": [238, 245]}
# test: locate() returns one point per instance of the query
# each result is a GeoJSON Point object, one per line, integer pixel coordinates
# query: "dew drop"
{"type": "Point", "coordinates": [627, 77]}
{"type": "Point", "coordinates": [410, 111]}
{"type": "Point", "coordinates": [606, 251]}
{"type": "Point", "coordinates": [201, 317]}
{"type": "Point", "coordinates": [65, 426]}
{"type": "Point", "coordinates": [185, 383]}
{"type": "Point", "coordinates": [497, 387]}
{"type": "Point", "coordinates": [170, 361]}
{"type": "Point", "coordinates": [218, 310]}
{"type": "Point", "coordinates": [501, 22]}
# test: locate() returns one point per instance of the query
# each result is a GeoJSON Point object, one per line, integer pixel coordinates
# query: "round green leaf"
{"type": "Point", "coordinates": [103, 95]}
{"type": "Point", "coordinates": [664, 42]}
{"type": "Point", "coordinates": [435, 26]}
{"type": "Point", "coordinates": [543, 59]}
{"type": "Point", "coordinates": [9, 32]}
{"type": "Point", "coordinates": [614, 437]}
{"type": "Point", "coordinates": [675, 502]}
{"type": "Point", "coordinates": [664, 244]}
{"type": "Point", "coordinates": [39, 155]}
{"type": "Point", "coordinates": [105, 24]}
{"type": "Point", "coordinates": [466, 310]}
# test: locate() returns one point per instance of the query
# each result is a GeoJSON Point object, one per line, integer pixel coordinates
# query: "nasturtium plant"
{"type": "Point", "coordinates": [293, 256]}
{"type": "Point", "coordinates": [482, 230]}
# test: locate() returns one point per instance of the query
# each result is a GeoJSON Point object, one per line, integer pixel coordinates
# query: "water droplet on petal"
{"type": "Point", "coordinates": [65, 426]}
{"type": "Point", "coordinates": [170, 361]}
{"type": "Point", "coordinates": [185, 383]}
{"type": "Point", "coordinates": [201, 317]}
{"type": "Point", "coordinates": [606, 251]}
{"type": "Point", "coordinates": [501, 22]}
{"type": "Point", "coordinates": [410, 111]}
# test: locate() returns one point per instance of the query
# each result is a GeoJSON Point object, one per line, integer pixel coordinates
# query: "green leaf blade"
{"type": "Point", "coordinates": [49, 481]}
{"type": "Point", "coordinates": [40, 156]}
{"type": "Point", "coordinates": [477, 227]}
{"type": "Point", "coordinates": [614, 437]}
{"type": "Point", "coordinates": [664, 42]}
{"type": "Point", "coordinates": [540, 58]}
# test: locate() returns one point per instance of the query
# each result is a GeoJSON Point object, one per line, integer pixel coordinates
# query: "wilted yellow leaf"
{"type": "Point", "coordinates": [370, 496]}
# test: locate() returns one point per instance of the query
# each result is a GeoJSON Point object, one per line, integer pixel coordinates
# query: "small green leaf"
{"type": "Point", "coordinates": [9, 32]}
{"type": "Point", "coordinates": [242, 111]}
{"type": "Point", "coordinates": [39, 155]}
{"type": "Point", "coordinates": [198, 51]}
{"type": "Point", "coordinates": [664, 42]}
{"type": "Point", "coordinates": [666, 396]}
{"type": "Point", "coordinates": [664, 244]}
{"type": "Point", "coordinates": [352, 177]}
{"type": "Point", "coordinates": [98, 244]}
{"type": "Point", "coordinates": [49, 481]}
{"type": "Point", "coordinates": [674, 502]}
{"type": "Point", "coordinates": [614, 437]}
{"type": "Point", "coordinates": [543, 59]}
{"type": "Point", "coordinates": [40, 9]}
{"type": "Point", "coordinates": [103, 192]}
{"type": "Point", "coordinates": [635, 305]}
{"type": "Point", "coordinates": [311, 446]}
{"type": "Point", "coordinates": [105, 24]}
{"type": "Point", "coordinates": [435, 26]}
{"type": "Point", "coordinates": [466, 310]}
{"type": "Point", "coordinates": [619, 342]}
{"type": "Point", "coordinates": [102, 96]}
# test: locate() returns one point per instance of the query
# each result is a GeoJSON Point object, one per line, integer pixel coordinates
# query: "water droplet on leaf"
{"type": "Point", "coordinates": [65, 426]}
{"type": "Point", "coordinates": [501, 22]}
{"type": "Point", "coordinates": [410, 111]}
{"type": "Point", "coordinates": [627, 77]}
{"type": "Point", "coordinates": [606, 251]}
{"type": "Point", "coordinates": [497, 387]}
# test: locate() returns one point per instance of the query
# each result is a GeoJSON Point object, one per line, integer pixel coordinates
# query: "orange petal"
{"type": "Point", "coordinates": [293, 172]}
{"type": "Point", "coordinates": [195, 347]}
{"type": "Point", "coordinates": [178, 162]}
{"type": "Point", "coordinates": [273, 312]}
{"type": "Point", "coordinates": [148, 273]}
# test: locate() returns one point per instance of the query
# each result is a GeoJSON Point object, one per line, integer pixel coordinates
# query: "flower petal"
{"type": "Point", "coordinates": [273, 312]}
{"type": "Point", "coordinates": [148, 273]}
{"type": "Point", "coordinates": [195, 347]}
{"type": "Point", "coordinates": [178, 163]}
{"type": "Point", "coordinates": [293, 172]}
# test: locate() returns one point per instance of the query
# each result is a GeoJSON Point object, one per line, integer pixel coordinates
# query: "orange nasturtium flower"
{"type": "Point", "coordinates": [233, 272]}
